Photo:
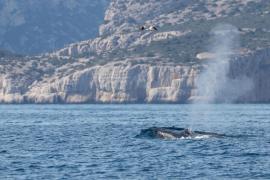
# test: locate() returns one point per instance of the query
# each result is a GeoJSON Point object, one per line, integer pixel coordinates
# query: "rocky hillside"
{"type": "Point", "coordinates": [36, 26]}
{"type": "Point", "coordinates": [184, 29]}
{"type": "Point", "coordinates": [125, 64]}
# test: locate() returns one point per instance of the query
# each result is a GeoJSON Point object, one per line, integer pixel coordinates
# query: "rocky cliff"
{"type": "Point", "coordinates": [126, 65]}
{"type": "Point", "coordinates": [124, 83]}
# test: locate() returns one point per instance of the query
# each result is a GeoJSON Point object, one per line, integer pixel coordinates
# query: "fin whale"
{"type": "Point", "coordinates": [176, 133]}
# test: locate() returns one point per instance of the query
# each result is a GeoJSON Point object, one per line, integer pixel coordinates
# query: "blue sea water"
{"type": "Point", "coordinates": [98, 142]}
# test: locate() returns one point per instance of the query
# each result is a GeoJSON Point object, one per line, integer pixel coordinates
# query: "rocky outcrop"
{"type": "Point", "coordinates": [116, 84]}
{"type": "Point", "coordinates": [139, 83]}
{"type": "Point", "coordinates": [123, 18]}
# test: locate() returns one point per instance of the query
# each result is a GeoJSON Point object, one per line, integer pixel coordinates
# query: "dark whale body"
{"type": "Point", "coordinates": [176, 133]}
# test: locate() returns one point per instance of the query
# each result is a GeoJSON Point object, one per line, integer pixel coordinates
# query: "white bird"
{"type": "Point", "coordinates": [151, 28]}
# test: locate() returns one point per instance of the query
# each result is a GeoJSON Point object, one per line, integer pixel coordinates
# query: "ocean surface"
{"type": "Point", "coordinates": [98, 142]}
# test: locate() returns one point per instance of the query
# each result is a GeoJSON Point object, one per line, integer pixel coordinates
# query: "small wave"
{"type": "Point", "coordinates": [195, 137]}
{"type": "Point", "coordinates": [202, 137]}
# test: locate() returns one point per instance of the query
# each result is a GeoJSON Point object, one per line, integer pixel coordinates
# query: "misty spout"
{"type": "Point", "coordinates": [215, 84]}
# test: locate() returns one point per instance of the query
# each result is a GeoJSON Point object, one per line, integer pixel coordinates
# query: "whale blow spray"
{"type": "Point", "coordinates": [214, 85]}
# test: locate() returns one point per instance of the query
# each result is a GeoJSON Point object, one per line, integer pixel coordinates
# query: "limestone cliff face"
{"type": "Point", "coordinates": [141, 83]}
{"type": "Point", "coordinates": [257, 68]}
{"type": "Point", "coordinates": [116, 84]}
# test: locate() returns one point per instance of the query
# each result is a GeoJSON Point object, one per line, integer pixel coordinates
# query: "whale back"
{"type": "Point", "coordinates": [175, 133]}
